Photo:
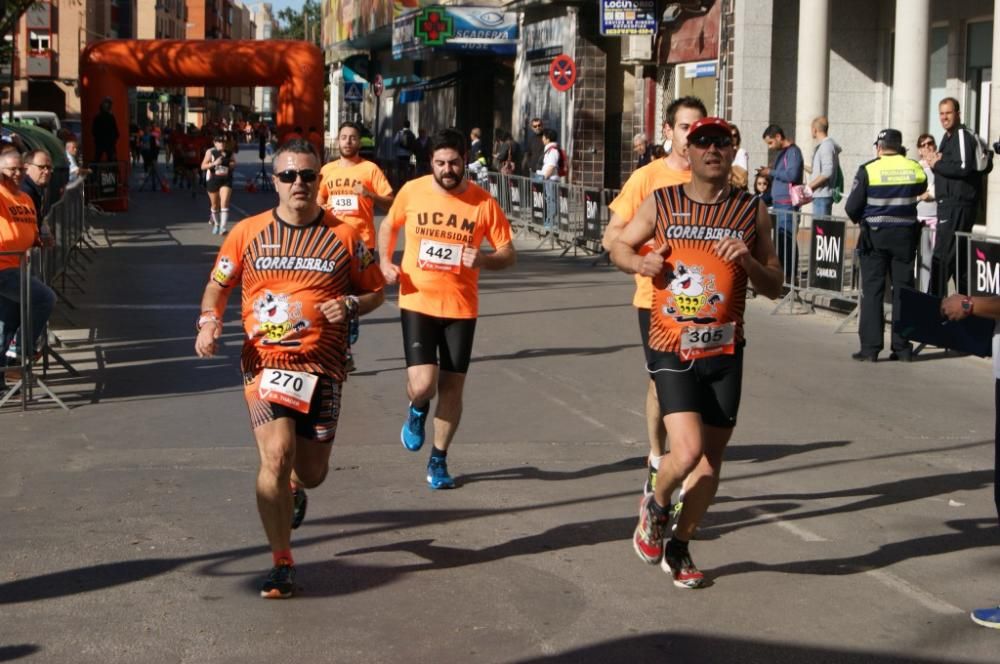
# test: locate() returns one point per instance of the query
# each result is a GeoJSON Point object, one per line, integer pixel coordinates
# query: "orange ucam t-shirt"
{"type": "Point", "coordinates": [437, 227]}
{"type": "Point", "coordinates": [285, 271]}
{"type": "Point", "coordinates": [639, 186]}
{"type": "Point", "coordinates": [336, 193]}
{"type": "Point", "coordinates": [18, 226]}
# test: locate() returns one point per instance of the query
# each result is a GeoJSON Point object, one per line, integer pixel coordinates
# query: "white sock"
{"type": "Point", "coordinates": [223, 217]}
{"type": "Point", "coordinates": [214, 218]}
{"type": "Point", "coordinates": [654, 461]}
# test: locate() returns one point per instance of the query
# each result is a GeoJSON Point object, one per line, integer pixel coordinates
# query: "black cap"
{"type": "Point", "coordinates": [890, 138]}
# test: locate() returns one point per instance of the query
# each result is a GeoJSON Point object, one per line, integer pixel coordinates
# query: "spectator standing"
{"type": "Point", "coordinates": [643, 153]}
{"type": "Point", "coordinates": [422, 155]}
{"type": "Point", "coordinates": [475, 145]}
{"type": "Point", "coordinates": [926, 211]}
{"type": "Point", "coordinates": [404, 143]}
{"type": "Point", "coordinates": [533, 147]}
{"type": "Point", "coordinates": [958, 186]}
{"type": "Point", "coordinates": [507, 156]}
{"type": "Point", "coordinates": [786, 171]}
{"type": "Point", "coordinates": [549, 174]}
{"type": "Point", "coordinates": [825, 162]}
{"type": "Point", "coordinates": [883, 200]}
{"type": "Point", "coordinates": [741, 162]}
{"type": "Point", "coordinates": [73, 159]}
{"type": "Point", "coordinates": [105, 131]}
{"type": "Point", "coordinates": [35, 183]}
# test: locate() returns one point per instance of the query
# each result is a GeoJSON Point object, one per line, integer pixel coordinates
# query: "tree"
{"type": "Point", "coordinates": [293, 24]}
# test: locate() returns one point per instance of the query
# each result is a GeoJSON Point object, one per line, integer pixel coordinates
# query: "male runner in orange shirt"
{"type": "Point", "coordinates": [445, 220]}
{"type": "Point", "coordinates": [350, 187]}
{"type": "Point", "coordinates": [304, 275]}
{"type": "Point", "coordinates": [710, 239]}
{"type": "Point", "coordinates": [672, 169]}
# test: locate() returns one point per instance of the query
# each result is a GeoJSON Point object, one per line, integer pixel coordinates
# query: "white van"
{"type": "Point", "coordinates": [46, 119]}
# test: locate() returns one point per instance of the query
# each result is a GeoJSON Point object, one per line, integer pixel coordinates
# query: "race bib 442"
{"type": "Point", "coordinates": [440, 256]}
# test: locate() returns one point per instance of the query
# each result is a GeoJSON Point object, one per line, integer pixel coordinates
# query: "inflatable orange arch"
{"type": "Point", "coordinates": [108, 68]}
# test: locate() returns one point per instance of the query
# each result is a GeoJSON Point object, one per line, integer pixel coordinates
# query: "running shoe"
{"type": "Point", "coordinates": [299, 503]}
{"type": "Point", "coordinates": [412, 435]}
{"type": "Point", "coordinates": [222, 230]}
{"type": "Point", "coordinates": [648, 538]}
{"type": "Point", "coordinates": [280, 582]}
{"type": "Point", "coordinates": [650, 485]}
{"type": "Point", "coordinates": [437, 474]}
{"type": "Point", "coordinates": [681, 568]}
{"type": "Point", "coordinates": [987, 617]}
{"type": "Point", "coordinates": [349, 365]}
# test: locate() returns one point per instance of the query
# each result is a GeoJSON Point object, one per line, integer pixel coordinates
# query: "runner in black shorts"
{"type": "Point", "coordinates": [218, 165]}
{"type": "Point", "coordinates": [710, 239]}
{"type": "Point", "coordinates": [439, 288]}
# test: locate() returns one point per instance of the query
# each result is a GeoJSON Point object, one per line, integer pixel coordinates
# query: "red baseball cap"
{"type": "Point", "coordinates": [710, 126]}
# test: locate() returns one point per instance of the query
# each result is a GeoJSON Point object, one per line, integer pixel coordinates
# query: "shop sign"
{"type": "Point", "coordinates": [455, 29]}
{"type": "Point", "coordinates": [700, 69]}
{"type": "Point", "coordinates": [985, 280]}
{"type": "Point", "coordinates": [827, 248]}
{"type": "Point", "coordinates": [628, 17]}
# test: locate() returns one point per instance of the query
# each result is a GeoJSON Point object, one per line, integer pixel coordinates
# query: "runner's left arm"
{"type": "Point", "coordinates": [213, 303]}
{"type": "Point", "coordinates": [760, 262]}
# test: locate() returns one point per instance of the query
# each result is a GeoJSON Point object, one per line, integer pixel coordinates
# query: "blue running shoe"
{"type": "Point", "coordinates": [437, 474]}
{"type": "Point", "coordinates": [412, 435]}
{"type": "Point", "coordinates": [987, 617]}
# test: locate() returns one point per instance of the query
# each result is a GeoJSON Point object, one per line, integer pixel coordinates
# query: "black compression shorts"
{"type": "Point", "coordinates": [644, 333]}
{"type": "Point", "coordinates": [710, 386]}
{"type": "Point", "coordinates": [424, 336]}
{"type": "Point", "coordinates": [215, 184]}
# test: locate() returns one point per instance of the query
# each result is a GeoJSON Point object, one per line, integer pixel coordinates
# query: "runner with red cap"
{"type": "Point", "coordinates": [709, 239]}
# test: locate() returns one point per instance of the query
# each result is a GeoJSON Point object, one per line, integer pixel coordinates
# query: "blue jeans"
{"type": "Point", "coordinates": [43, 299]}
{"type": "Point", "coordinates": [822, 207]}
{"type": "Point", "coordinates": [786, 238]}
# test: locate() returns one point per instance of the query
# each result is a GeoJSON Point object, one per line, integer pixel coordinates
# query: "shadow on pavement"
{"type": "Point", "coordinates": [685, 647]}
{"type": "Point", "coordinates": [10, 653]}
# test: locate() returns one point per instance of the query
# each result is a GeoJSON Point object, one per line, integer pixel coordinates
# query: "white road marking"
{"type": "Point", "coordinates": [920, 595]}
{"type": "Point", "coordinates": [803, 534]}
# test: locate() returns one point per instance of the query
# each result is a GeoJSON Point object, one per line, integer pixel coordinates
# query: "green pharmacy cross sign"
{"type": "Point", "coordinates": [433, 26]}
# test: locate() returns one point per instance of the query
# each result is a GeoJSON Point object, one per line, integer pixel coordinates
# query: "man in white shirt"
{"type": "Point", "coordinates": [549, 173]}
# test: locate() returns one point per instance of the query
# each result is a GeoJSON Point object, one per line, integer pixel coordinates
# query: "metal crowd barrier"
{"type": "Point", "coordinates": [107, 181]}
{"type": "Point", "coordinates": [26, 379]}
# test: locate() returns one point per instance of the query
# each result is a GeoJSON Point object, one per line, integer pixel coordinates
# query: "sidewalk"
{"type": "Point", "coordinates": [855, 520]}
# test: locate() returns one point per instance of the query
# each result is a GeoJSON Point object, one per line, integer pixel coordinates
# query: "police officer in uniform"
{"type": "Point", "coordinates": [884, 201]}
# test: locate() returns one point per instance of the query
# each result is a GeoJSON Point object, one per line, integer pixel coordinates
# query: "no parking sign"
{"type": "Point", "coordinates": [562, 72]}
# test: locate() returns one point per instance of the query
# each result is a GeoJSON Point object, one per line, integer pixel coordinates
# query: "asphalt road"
{"type": "Point", "coordinates": [855, 521]}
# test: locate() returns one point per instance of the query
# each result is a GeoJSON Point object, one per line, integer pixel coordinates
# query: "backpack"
{"type": "Point", "coordinates": [838, 184]}
{"type": "Point", "coordinates": [983, 157]}
{"type": "Point", "coordinates": [562, 168]}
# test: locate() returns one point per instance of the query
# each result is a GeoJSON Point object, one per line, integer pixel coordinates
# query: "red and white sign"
{"type": "Point", "coordinates": [562, 72]}
{"type": "Point", "coordinates": [378, 85]}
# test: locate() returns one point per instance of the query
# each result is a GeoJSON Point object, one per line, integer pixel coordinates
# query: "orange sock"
{"type": "Point", "coordinates": [282, 558]}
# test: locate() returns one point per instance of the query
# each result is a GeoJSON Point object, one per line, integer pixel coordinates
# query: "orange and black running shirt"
{"type": "Point", "coordinates": [336, 193]}
{"type": "Point", "coordinates": [18, 226]}
{"type": "Point", "coordinates": [699, 299]}
{"type": "Point", "coordinates": [640, 185]}
{"type": "Point", "coordinates": [437, 228]}
{"type": "Point", "coordinates": [285, 272]}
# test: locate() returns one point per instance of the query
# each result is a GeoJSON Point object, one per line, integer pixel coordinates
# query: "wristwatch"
{"type": "Point", "coordinates": [351, 304]}
{"type": "Point", "coordinates": [967, 305]}
{"type": "Point", "coordinates": [207, 317]}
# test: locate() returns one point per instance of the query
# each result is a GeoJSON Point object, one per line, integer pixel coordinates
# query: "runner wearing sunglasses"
{"type": "Point", "coordinates": [709, 239]}
{"type": "Point", "coordinates": [445, 219]}
{"type": "Point", "coordinates": [304, 276]}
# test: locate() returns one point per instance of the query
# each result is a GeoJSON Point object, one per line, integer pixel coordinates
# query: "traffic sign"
{"type": "Point", "coordinates": [562, 72]}
{"type": "Point", "coordinates": [378, 85]}
{"type": "Point", "coordinates": [352, 92]}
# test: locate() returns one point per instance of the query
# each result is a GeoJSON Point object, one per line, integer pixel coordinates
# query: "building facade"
{"type": "Point", "coordinates": [159, 19]}
{"type": "Point", "coordinates": [264, 24]}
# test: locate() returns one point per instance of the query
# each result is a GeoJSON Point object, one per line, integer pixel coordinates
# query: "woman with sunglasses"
{"type": "Point", "coordinates": [218, 165]}
{"type": "Point", "coordinates": [926, 210]}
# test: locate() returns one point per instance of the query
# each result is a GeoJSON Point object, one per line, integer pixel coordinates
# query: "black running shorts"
{"type": "Point", "coordinates": [644, 333]}
{"type": "Point", "coordinates": [710, 386]}
{"type": "Point", "coordinates": [426, 338]}
{"type": "Point", "coordinates": [215, 184]}
{"type": "Point", "coordinates": [319, 424]}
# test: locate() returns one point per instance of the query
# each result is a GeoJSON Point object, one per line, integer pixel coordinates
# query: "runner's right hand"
{"type": "Point", "coordinates": [652, 262]}
{"type": "Point", "coordinates": [390, 272]}
{"type": "Point", "coordinates": [205, 344]}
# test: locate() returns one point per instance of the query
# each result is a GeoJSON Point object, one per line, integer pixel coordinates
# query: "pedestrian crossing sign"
{"type": "Point", "coordinates": [352, 92]}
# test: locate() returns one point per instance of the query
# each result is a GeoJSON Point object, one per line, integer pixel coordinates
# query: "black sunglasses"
{"type": "Point", "coordinates": [289, 176]}
{"type": "Point", "coordinates": [718, 140]}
